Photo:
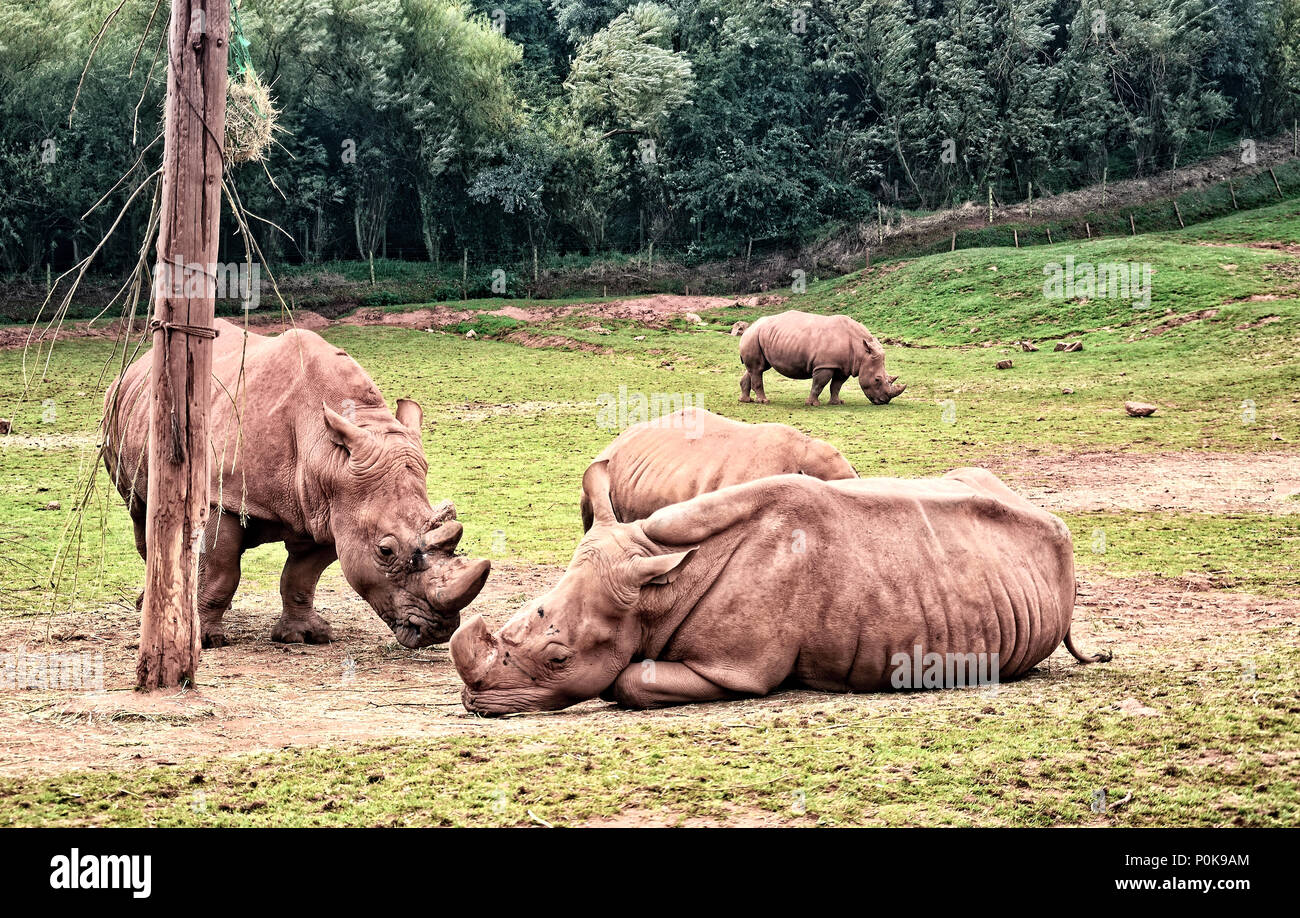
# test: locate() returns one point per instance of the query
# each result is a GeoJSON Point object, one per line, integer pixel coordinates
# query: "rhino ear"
{"type": "Point", "coordinates": [595, 488]}
{"type": "Point", "coordinates": [659, 569]}
{"type": "Point", "coordinates": [343, 432]}
{"type": "Point", "coordinates": [409, 414]}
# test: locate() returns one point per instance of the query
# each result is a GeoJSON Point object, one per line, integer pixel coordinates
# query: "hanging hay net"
{"type": "Point", "coordinates": [250, 119]}
{"type": "Point", "coordinates": [250, 113]}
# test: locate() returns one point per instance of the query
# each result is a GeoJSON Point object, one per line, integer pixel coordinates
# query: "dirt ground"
{"type": "Point", "coordinates": [1187, 481]}
{"type": "Point", "coordinates": [652, 311]}
{"type": "Point", "coordinates": [256, 695]}
{"type": "Point", "coordinates": [259, 696]}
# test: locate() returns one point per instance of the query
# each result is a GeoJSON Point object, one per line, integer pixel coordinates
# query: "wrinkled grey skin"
{"type": "Point", "coordinates": [306, 452]}
{"type": "Point", "coordinates": [787, 580]}
{"type": "Point", "coordinates": [825, 349]}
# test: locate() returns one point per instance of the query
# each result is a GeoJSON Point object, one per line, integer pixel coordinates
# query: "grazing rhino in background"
{"type": "Point", "coordinates": [837, 586]}
{"type": "Point", "coordinates": [307, 454]}
{"type": "Point", "coordinates": [825, 349]}
{"type": "Point", "coordinates": [693, 451]}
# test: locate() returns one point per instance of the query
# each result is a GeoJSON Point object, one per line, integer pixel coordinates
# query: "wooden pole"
{"type": "Point", "coordinates": [1276, 184]}
{"type": "Point", "coordinates": [1233, 192]}
{"type": "Point", "coordinates": [181, 372]}
{"type": "Point", "coordinates": [1180, 215]}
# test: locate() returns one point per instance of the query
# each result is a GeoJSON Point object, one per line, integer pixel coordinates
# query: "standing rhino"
{"type": "Point", "coordinates": [825, 349]}
{"type": "Point", "coordinates": [837, 586]}
{"type": "Point", "coordinates": [693, 451]}
{"type": "Point", "coordinates": [304, 451]}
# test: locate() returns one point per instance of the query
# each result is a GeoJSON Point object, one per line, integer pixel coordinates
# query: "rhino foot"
{"type": "Point", "coordinates": [214, 638]}
{"type": "Point", "coordinates": [837, 401]}
{"type": "Point", "coordinates": [813, 403]}
{"type": "Point", "coordinates": [309, 630]}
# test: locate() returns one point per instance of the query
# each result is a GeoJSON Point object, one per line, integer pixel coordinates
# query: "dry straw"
{"type": "Point", "coordinates": [250, 119]}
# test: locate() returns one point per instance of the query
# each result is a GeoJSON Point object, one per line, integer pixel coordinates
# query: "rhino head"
{"type": "Point", "coordinates": [396, 550]}
{"type": "Point", "coordinates": [571, 643]}
{"type": "Point", "coordinates": [877, 385]}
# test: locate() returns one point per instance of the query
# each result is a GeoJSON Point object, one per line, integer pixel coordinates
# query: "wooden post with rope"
{"type": "Point", "coordinates": [177, 501]}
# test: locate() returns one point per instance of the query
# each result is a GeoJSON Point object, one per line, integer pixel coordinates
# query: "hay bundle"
{"type": "Point", "coordinates": [250, 119]}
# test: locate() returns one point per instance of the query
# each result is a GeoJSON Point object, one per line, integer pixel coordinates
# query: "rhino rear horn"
{"type": "Point", "coordinates": [595, 487]}
{"type": "Point", "coordinates": [444, 538]}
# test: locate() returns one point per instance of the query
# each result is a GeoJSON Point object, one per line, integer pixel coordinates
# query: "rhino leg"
{"type": "Point", "coordinates": [674, 683]}
{"type": "Point", "coordinates": [223, 544]}
{"type": "Point", "coordinates": [819, 380]}
{"type": "Point", "coordinates": [836, 382]}
{"type": "Point", "coordinates": [753, 378]}
{"type": "Point", "coordinates": [299, 623]}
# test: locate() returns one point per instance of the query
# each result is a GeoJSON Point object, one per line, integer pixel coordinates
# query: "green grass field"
{"type": "Point", "coordinates": [509, 430]}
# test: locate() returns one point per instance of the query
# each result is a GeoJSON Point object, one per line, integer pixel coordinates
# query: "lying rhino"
{"type": "Point", "coordinates": [693, 451]}
{"type": "Point", "coordinates": [321, 465]}
{"type": "Point", "coordinates": [837, 586]}
{"type": "Point", "coordinates": [825, 349]}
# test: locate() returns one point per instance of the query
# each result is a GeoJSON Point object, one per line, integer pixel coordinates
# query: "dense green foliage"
{"type": "Point", "coordinates": [422, 128]}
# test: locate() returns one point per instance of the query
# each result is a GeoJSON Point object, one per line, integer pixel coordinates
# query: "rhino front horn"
{"type": "Point", "coordinates": [473, 650]}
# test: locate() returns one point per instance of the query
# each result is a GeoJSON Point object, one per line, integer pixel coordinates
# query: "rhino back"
{"type": "Point", "coordinates": [265, 417]}
{"type": "Point", "coordinates": [695, 452]}
{"type": "Point", "coordinates": [796, 344]}
{"type": "Point", "coordinates": [829, 581]}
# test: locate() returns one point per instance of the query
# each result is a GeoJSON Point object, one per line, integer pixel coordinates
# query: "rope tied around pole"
{"type": "Point", "coordinates": [197, 331]}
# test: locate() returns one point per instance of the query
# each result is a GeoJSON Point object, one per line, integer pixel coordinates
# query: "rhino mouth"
{"type": "Point", "coordinates": [418, 624]}
{"type": "Point", "coordinates": [488, 703]}
{"type": "Point", "coordinates": [421, 631]}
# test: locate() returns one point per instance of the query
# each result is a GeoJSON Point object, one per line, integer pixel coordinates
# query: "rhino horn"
{"type": "Point", "coordinates": [444, 538]}
{"type": "Point", "coordinates": [473, 650]}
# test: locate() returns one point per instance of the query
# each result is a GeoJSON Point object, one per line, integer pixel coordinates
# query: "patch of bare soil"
{"type": "Point", "coordinates": [647, 310]}
{"type": "Point", "coordinates": [255, 695]}
{"type": "Point", "coordinates": [1184, 481]}
{"type": "Point", "coordinates": [268, 323]}
{"type": "Point", "coordinates": [652, 311]}
{"type": "Point", "coordinates": [532, 339]}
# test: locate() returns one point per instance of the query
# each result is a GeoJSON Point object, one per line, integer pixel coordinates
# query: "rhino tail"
{"type": "Point", "coordinates": [1101, 656]}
